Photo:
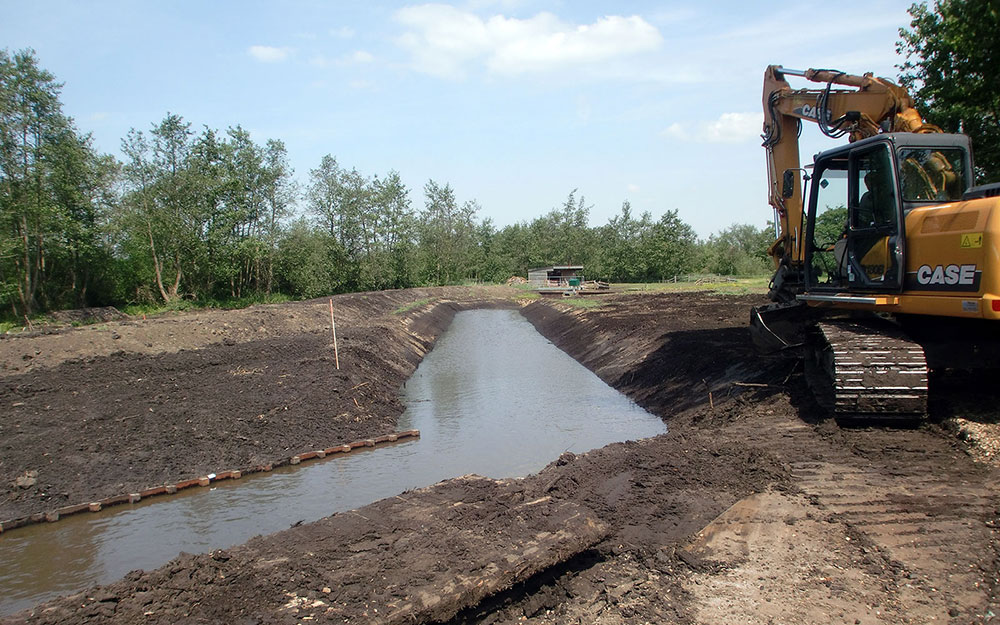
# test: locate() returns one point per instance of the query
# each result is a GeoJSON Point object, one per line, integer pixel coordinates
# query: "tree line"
{"type": "Point", "coordinates": [217, 216]}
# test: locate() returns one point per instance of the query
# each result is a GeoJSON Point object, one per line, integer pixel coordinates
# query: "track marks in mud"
{"type": "Point", "coordinates": [882, 526]}
{"type": "Point", "coordinates": [928, 525]}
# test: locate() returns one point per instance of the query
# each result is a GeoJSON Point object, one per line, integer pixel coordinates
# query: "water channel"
{"type": "Point", "coordinates": [494, 398]}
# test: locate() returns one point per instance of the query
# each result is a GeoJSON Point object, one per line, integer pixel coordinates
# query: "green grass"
{"type": "Point", "coordinates": [582, 302]}
{"type": "Point", "coordinates": [182, 305]}
{"type": "Point", "coordinates": [14, 326]}
{"type": "Point", "coordinates": [137, 310]}
{"type": "Point", "coordinates": [714, 284]}
{"type": "Point", "coordinates": [417, 304]}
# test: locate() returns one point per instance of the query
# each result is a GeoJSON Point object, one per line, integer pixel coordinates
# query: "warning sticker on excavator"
{"type": "Point", "coordinates": [972, 240]}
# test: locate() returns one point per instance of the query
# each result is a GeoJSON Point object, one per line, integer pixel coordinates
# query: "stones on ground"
{"type": "Point", "coordinates": [27, 479]}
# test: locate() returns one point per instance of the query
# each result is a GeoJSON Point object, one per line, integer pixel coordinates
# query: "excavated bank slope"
{"type": "Point", "coordinates": [751, 509]}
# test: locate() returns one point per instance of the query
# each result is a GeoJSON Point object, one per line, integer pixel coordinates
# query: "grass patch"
{"type": "Point", "coordinates": [10, 326]}
{"type": "Point", "coordinates": [582, 302]}
{"type": "Point", "coordinates": [722, 285]}
{"type": "Point", "coordinates": [417, 304]}
{"type": "Point", "coordinates": [184, 305]}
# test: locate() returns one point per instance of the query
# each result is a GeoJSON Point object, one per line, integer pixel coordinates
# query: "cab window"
{"type": "Point", "coordinates": [932, 174]}
{"type": "Point", "coordinates": [875, 191]}
{"type": "Point", "coordinates": [830, 225]}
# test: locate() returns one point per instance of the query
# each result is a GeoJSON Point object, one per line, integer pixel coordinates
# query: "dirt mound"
{"type": "Point", "coordinates": [88, 315]}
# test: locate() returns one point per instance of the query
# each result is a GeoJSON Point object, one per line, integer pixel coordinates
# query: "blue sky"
{"type": "Point", "coordinates": [514, 103]}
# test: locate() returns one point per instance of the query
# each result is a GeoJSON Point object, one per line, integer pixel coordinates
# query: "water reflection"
{"type": "Point", "coordinates": [494, 397]}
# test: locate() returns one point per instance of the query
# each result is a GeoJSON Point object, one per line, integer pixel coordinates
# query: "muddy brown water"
{"type": "Point", "coordinates": [494, 398]}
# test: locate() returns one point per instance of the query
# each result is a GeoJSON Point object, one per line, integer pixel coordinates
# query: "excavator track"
{"type": "Point", "coordinates": [864, 371]}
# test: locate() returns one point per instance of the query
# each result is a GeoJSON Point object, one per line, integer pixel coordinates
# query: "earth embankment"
{"type": "Point", "coordinates": [111, 409]}
{"type": "Point", "coordinates": [753, 508]}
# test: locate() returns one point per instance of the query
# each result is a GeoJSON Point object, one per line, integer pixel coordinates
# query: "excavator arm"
{"type": "Point", "coordinates": [866, 107]}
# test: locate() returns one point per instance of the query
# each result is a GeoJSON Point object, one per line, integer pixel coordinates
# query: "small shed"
{"type": "Point", "coordinates": [556, 277]}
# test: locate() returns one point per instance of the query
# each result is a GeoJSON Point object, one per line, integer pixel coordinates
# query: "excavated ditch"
{"type": "Point", "coordinates": [498, 408]}
{"type": "Point", "coordinates": [754, 509]}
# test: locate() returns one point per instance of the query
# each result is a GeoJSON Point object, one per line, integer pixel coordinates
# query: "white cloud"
{"type": "Point", "coordinates": [320, 60]}
{"type": "Point", "coordinates": [675, 130]}
{"type": "Point", "coordinates": [344, 32]}
{"type": "Point", "coordinates": [734, 127]}
{"type": "Point", "coordinates": [728, 128]}
{"type": "Point", "coordinates": [503, 4]}
{"type": "Point", "coordinates": [269, 54]}
{"type": "Point", "coordinates": [360, 56]}
{"type": "Point", "coordinates": [443, 40]}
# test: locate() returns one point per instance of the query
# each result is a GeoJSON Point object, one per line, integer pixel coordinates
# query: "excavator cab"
{"type": "Point", "coordinates": [855, 221]}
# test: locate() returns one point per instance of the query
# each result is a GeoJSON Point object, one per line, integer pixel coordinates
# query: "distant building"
{"type": "Point", "coordinates": [558, 277]}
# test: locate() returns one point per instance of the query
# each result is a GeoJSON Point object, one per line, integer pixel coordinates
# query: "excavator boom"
{"type": "Point", "coordinates": [866, 107]}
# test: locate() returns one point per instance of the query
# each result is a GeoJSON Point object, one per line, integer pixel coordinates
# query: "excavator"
{"type": "Point", "coordinates": [887, 256]}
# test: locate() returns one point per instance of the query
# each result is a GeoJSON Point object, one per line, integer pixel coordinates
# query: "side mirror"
{"type": "Point", "coordinates": [788, 183]}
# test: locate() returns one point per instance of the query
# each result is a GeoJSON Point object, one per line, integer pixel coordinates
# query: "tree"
{"type": "Point", "coordinates": [161, 204]}
{"type": "Point", "coordinates": [52, 187]}
{"type": "Point", "coordinates": [448, 241]}
{"type": "Point", "coordinates": [306, 261]}
{"type": "Point", "coordinates": [622, 257]}
{"type": "Point", "coordinates": [669, 247]}
{"type": "Point", "coordinates": [394, 266]}
{"type": "Point", "coordinates": [739, 250]}
{"type": "Point", "coordinates": [830, 225]}
{"type": "Point", "coordinates": [280, 191]}
{"type": "Point", "coordinates": [953, 52]}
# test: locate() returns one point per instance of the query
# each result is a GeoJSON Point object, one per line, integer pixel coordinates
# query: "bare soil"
{"type": "Point", "coordinates": [754, 508]}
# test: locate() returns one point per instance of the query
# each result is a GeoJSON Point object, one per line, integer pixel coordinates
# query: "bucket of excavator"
{"type": "Point", "coordinates": [780, 327]}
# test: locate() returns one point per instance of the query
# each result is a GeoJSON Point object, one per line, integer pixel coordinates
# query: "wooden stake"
{"type": "Point", "coordinates": [333, 326]}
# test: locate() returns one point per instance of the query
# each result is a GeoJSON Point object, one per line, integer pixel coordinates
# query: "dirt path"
{"type": "Point", "coordinates": [752, 509]}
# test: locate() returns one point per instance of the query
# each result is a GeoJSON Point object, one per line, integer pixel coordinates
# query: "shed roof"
{"type": "Point", "coordinates": [555, 267]}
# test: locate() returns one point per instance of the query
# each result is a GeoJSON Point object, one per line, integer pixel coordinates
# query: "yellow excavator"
{"type": "Point", "coordinates": [891, 268]}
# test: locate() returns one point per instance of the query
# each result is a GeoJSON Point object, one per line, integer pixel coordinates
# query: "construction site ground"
{"type": "Point", "coordinates": [753, 508]}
